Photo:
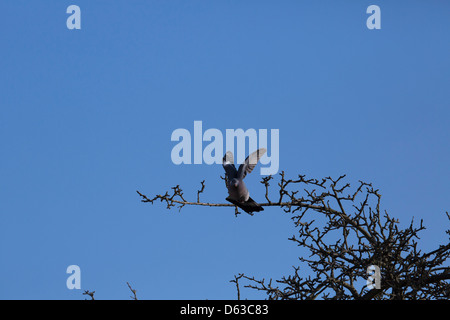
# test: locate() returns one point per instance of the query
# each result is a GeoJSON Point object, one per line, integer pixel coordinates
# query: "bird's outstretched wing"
{"type": "Point", "coordinates": [228, 165]}
{"type": "Point", "coordinates": [250, 163]}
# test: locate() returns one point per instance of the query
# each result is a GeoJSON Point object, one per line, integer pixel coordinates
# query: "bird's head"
{"type": "Point", "coordinates": [234, 182]}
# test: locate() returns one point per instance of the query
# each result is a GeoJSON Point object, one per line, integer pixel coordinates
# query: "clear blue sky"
{"type": "Point", "coordinates": [86, 118]}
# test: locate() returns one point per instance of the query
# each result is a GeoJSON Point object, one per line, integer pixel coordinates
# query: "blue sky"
{"type": "Point", "coordinates": [86, 118]}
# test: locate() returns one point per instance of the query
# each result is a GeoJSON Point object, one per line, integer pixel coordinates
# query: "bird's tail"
{"type": "Point", "coordinates": [248, 206]}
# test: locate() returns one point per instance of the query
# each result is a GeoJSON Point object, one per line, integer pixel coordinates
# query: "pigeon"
{"type": "Point", "coordinates": [238, 192]}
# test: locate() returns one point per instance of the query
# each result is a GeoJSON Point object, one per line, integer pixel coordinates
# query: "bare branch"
{"type": "Point", "coordinates": [89, 293]}
{"type": "Point", "coordinates": [134, 297]}
{"type": "Point", "coordinates": [363, 235]}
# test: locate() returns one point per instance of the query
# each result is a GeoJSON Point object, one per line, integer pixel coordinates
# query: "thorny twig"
{"type": "Point", "coordinates": [236, 280]}
{"type": "Point", "coordinates": [134, 297]}
{"type": "Point", "coordinates": [89, 293]}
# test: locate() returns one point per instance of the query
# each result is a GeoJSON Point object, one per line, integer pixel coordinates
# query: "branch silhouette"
{"type": "Point", "coordinates": [345, 231]}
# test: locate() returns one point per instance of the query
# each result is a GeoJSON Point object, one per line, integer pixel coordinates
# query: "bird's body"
{"type": "Point", "coordinates": [238, 193]}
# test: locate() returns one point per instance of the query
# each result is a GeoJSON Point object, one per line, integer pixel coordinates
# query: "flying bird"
{"type": "Point", "coordinates": [238, 192]}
